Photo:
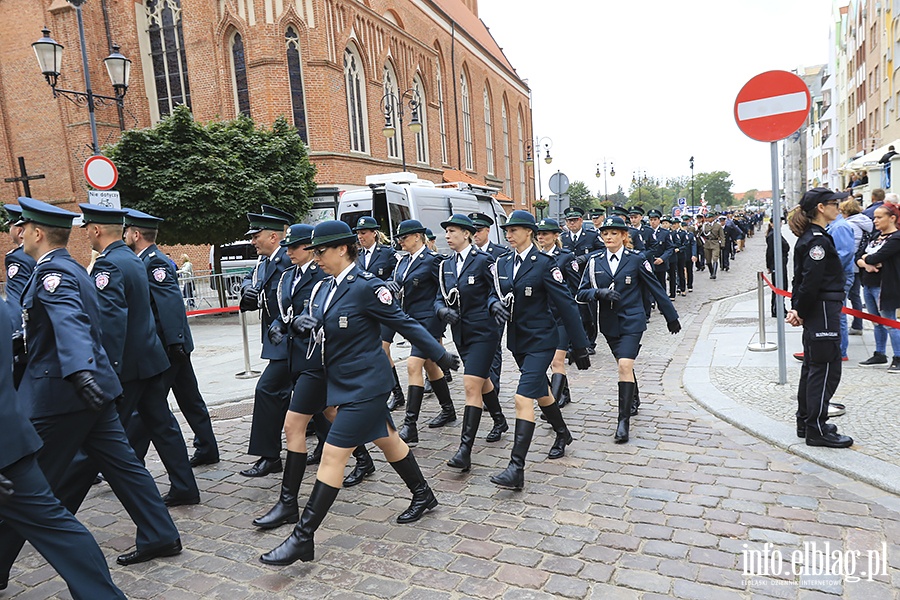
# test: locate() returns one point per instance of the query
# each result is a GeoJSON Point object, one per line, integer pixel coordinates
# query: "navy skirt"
{"type": "Point", "coordinates": [626, 346]}
{"type": "Point", "coordinates": [477, 358]}
{"type": "Point", "coordinates": [360, 422]}
{"type": "Point", "coordinates": [310, 392]}
{"type": "Point", "coordinates": [533, 373]}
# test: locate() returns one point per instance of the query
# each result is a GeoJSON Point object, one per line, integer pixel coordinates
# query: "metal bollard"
{"type": "Point", "coordinates": [248, 372]}
{"type": "Point", "coordinates": [762, 345]}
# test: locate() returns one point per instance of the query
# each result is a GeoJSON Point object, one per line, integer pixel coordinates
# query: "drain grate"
{"type": "Point", "coordinates": [234, 410]}
{"type": "Point", "coordinates": [738, 321]}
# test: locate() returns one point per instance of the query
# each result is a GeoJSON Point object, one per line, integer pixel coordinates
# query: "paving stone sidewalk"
{"type": "Point", "coordinates": [672, 514]}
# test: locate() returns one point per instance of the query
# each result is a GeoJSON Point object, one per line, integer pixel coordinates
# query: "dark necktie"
{"type": "Point", "coordinates": [613, 257]}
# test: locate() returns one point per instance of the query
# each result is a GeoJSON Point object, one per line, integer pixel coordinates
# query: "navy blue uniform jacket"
{"type": "Point", "coordinates": [420, 286]}
{"type": "Point", "coordinates": [166, 300]}
{"type": "Point", "coordinates": [382, 263]}
{"type": "Point", "coordinates": [538, 284]}
{"type": "Point", "coordinates": [572, 274]}
{"type": "Point", "coordinates": [355, 363]}
{"type": "Point", "coordinates": [126, 320]}
{"type": "Point", "coordinates": [633, 278]}
{"type": "Point", "coordinates": [294, 300]}
{"type": "Point", "coordinates": [473, 296]}
{"type": "Point", "coordinates": [266, 276]}
{"type": "Point", "coordinates": [658, 245]}
{"type": "Point", "coordinates": [19, 438]}
{"type": "Point", "coordinates": [18, 269]}
{"type": "Point", "coordinates": [62, 325]}
{"type": "Point", "coordinates": [494, 250]}
{"type": "Point", "coordinates": [588, 241]}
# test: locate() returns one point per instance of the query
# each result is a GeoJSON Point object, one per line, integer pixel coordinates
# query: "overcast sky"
{"type": "Point", "coordinates": [647, 84]}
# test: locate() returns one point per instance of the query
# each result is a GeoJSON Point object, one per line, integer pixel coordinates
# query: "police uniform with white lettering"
{"type": "Point", "coordinates": [620, 281]}
{"type": "Point", "coordinates": [69, 389]}
{"type": "Point", "coordinates": [528, 283]}
{"type": "Point", "coordinates": [818, 295]}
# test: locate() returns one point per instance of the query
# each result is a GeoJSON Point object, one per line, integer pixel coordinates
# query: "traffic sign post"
{"type": "Point", "coordinates": [100, 172]}
{"type": "Point", "coordinates": [770, 107]}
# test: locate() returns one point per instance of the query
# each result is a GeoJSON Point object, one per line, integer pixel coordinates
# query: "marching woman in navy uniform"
{"type": "Point", "coordinates": [308, 399]}
{"type": "Point", "coordinates": [619, 279]}
{"type": "Point", "coordinates": [18, 267]}
{"type": "Point", "coordinates": [345, 314]}
{"type": "Point", "coordinates": [818, 295]}
{"type": "Point", "coordinates": [548, 239]}
{"type": "Point", "coordinates": [465, 300]}
{"type": "Point", "coordinates": [414, 285]}
{"type": "Point", "coordinates": [528, 282]}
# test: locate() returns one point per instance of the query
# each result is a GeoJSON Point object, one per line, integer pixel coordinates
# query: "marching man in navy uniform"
{"type": "Point", "coordinates": [582, 242]}
{"type": "Point", "coordinates": [18, 267]}
{"type": "Point", "coordinates": [528, 281]}
{"type": "Point", "coordinates": [619, 279]}
{"type": "Point", "coordinates": [70, 389]}
{"type": "Point", "coordinates": [659, 247]}
{"type": "Point", "coordinates": [174, 333]}
{"type": "Point", "coordinates": [259, 291]}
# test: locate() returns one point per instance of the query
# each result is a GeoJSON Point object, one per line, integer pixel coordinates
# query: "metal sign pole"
{"type": "Point", "coordinates": [779, 275]}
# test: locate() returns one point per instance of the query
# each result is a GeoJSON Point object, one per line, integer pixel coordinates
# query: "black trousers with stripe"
{"type": "Point", "coordinates": [821, 371]}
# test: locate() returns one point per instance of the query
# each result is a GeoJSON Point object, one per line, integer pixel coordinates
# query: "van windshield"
{"type": "Point", "coordinates": [398, 213]}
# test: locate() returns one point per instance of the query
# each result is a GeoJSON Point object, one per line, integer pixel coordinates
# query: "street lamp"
{"type": "Point", "coordinates": [692, 186]}
{"type": "Point", "coordinates": [391, 105]}
{"type": "Point", "coordinates": [612, 173]}
{"type": "Point", "coordinates": [639, 180]}
{"type": "Point", "coordinates": [530, 148]}
{"type": "Point", "coordinates": [49, 56]}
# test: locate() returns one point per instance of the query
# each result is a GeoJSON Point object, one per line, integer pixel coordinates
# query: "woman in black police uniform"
{"type": "Point", "coordinates": [528, 282]}
{"type": "Point", "coordinates": [414, 284]}
{"type": "Point", "coordinates": [308, 399]}
{"type": "Point", "coordinates": [345, 314]}
{"type": "Point", "coordinates": [548, 231]}
{"type": "Point", "coordinates": [619, 279]}
{"type": "Point", "coordinates": [818, 295]}
{"type": "Point", "coordinates": [465, 295]}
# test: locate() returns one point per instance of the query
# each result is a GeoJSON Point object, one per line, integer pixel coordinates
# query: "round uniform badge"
{"type": "Point", "coordinates": [648, 267]}
{"type": "Point", "coordinates": [817, 253]}
{"type": "Point", "coordinates": [159, 274]}
{"type": "Point", "coordinates": [575, 265]}
{"type": "Point", "coordinates": [12, 270]}
{"type": "Point", "coordinates": [557, 274]}
{"type": "Point", "coordinates": [101, 280]}
{"type": "Point", "coordinates": [51, 282]}
{"type": "Point", "coordinates": [384, 295]}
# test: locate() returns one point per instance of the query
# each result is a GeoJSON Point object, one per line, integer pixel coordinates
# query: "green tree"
{"type": "Point", "coordinates": [580, 196]}
{"type": "Point", "coordinates": [203, 178]}
{"type": "Point", "coordinates": [716, 186]}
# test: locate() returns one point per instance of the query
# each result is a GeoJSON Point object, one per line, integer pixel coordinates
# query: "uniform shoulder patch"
{"type": "Point", "coordinates": [101, 280]}
{"type": "Point", "coordinates": [648, 267]}
{"type": "Point", "coordinates": [574, 265]}
{"type": "Point", "coordinates": [159, 274]}
{"type": "Point", "coordinates": [384, 295]}
{"type": "Point", "coordinates": [11, 270]}
{"type": "Point", "coordinates": [817, 253]}
{"type": "Point", "coordinates": [557, 274]}
{"type": "Point", "coordinates": [51, 281]}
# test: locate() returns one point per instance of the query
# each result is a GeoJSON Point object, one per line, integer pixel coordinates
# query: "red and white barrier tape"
{"type": "Point", "coordinates": [213, 311]}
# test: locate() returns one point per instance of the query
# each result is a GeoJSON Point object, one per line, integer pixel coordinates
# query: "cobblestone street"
{"type": "Point", "coordinates": [674, 513]}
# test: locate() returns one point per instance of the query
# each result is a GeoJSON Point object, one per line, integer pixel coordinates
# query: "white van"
{"type": "Point", "coordinates": [395, 197]}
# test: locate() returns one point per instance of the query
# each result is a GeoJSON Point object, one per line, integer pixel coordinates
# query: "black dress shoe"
{"type": "Point", "coordinates": [199, 459]}
{"type": "Point", "coordinates": [829, 440]}
{"type": "Point", "coordinates": [170, 499]}
{"type": "Point", "coordinates": [801, 429]}
{"type": "Point", "coordinates": [139, 556]}
{"type": "Point", "coordinates": [264, 466]}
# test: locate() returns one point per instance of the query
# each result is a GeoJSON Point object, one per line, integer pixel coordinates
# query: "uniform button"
{"type": "Point", "coordinates": [46, 372]}
{"type": "Point", "coordinates": [90, 360]}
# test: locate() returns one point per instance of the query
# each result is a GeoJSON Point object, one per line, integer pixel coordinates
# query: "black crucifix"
{"type": "Point", "coordinates": [24, 177]}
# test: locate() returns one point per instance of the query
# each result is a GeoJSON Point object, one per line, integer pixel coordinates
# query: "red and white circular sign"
{"type": "Point", "coordinates": [772, 106]}
{"type": "Point", "coordinates": [100, 172]}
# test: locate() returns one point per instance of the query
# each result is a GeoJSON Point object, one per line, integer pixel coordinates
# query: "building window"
{"type": "Point", "coordinates": [467, 121]}
{"type": "Point", "coordinates": [422, 136]}
{"type": "Point", "coordinates": [389, 81]}
{"type": "Point", "coordinates": [170, 77]}
{"type": "Point", "coordinates": [522, 189]}
{"type": "Point", "coordinates": [239, 76]}
{"type": "Point", "coordinates": [443, 127]}
{"type": "Point", "coordinates": [507, 183]}
{"type": "Point", "coordinates": [488, 133]}
{"type": "Point", "coordinates": [356, 100]}
{"type": "Point", "coordinates": [295, 75]}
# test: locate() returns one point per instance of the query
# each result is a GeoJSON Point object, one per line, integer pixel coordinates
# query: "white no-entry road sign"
{"type": "Point", "coordinates": [100, 172]}
{"type": "Point", "coordinates": [772, 106]}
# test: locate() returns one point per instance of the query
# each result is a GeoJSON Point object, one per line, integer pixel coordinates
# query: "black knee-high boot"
{"type": "Point", "coordinates": [442, 393]}
{"type": "Point", "coordinates": [364, 467]}
{"type": "Point", "coordinates": [423, 498]}
{"type": "Point", "coordinates": [514, 474]}
{"type": "Point", "coordinates": [396, 400]}
{"type": "Point", "coordinates": [299, 546]}
{"type": "Point", "coordinates": [492, 404]}
{"type": "Point", "coordinates": [636, 402]}
{"type": "Point", "coordinates": [286, 509]}
{"type": "Point", "coordinates": [626, 396]}
{"type": "Point", "coordinates": [463, 457]}
{"type": "Point", "coordinates": [558, 385]}
{"type": "Point", "coordinates": [408, 432]}
{"type": "Point", "coordinates": [563, 435]}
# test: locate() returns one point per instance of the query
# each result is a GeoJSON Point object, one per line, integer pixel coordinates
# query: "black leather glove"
{"type": "Point", "coordinates": [674, 326]}
{"type": "Point", "coordinates": [448, 362]}
{"type": "Point", "coordinates": [177, 354]}
{"type": "Point", "coordinates": [499, 312]}
{"type": "Point", "coordinates": [606, 295]}
{"type": "Point", "coordinates": [88, 389]}
{"type": "Point", "coordinates": [18, 347]}
{"type": "Point", "coordinates": [276, 332]}
{"type": "Point", "coordinates": [393, 287]}
{"type": "Point", "coordinates": [582, 259]}
{"type": "Point", "coordinates": [250, 299]}
{"type": "Point", "coordinates": [581, 358]}
{"type": "Point", "coordinates": [6, 489]}
{"type": "Point", "coordinates": [448, 315]}
{"type": "Point", "coordinates": [304, 323]}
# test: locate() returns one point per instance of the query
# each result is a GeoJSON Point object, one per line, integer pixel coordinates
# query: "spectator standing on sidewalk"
{"type": "Point", "coordinates": [886, 161]}
{"type": "Point", "coordinates": [845, 244]}
{"type": "Point", "coordinates": [862, 226]}
{"type": "Point", "coordinates": [881, 283]}
{"type": "Point", "coordinates": [878, 198]}
{"type": "Point", "coordinates": [187, 271]}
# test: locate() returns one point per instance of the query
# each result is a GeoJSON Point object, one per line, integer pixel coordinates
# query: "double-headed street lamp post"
{"type": "Point", "coordinates": [535, 146]}
{"type": "Point", "coordinates": [612, 173]}
{"type": "Point", "coordinates": [392, 105]}
{"type": "Point", "coordinates": [49, 56]}
{"type": "Point", "coordinates": [639, 179]}
{"type": "Point", "coordinates": [692, 186]}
